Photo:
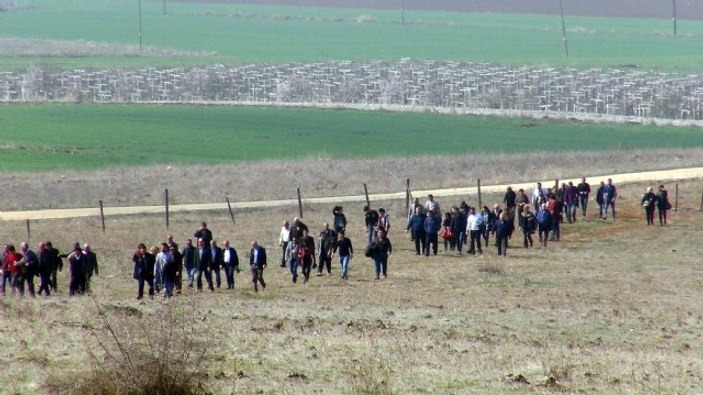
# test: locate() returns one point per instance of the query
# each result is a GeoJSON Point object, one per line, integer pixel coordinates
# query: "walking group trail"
{"type": "Point", "coordinates": [624, 178]}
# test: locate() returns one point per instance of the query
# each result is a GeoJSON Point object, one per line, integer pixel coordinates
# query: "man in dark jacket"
{"type": "Point", "coordinates": [189, 261]}
{"type": "Point", "coordinates": [326, 244]}
{"type": "Point", "coordinates": [584, 189]}
{"type": "Point", "coordinates": [370, 221]}
{"type": "Point", "coordinates": [204, 233]}
{"type": "Point", "coordinates": [509, 200]}
{"type": "Point", "coordinates": [307, 243]}
{"type": "Point", "coordinates": [416, 225]}
{"type": "Point", "coordinates": [257, 261]}
{"type": "Point", "coordinates": [217, 262]}
{"type": "Point", "coordinates": [45, 266]}
{"type": "Point", "coordinates": [382, 249]}
{"type": "Point", "coordinates": [231, 263]}
{"type": "Point", "coordinates": [91, 265]}
{"type": "Point", "coordinates": [201, 262]}
{"type": "Point", "coordinates": [431, 226]}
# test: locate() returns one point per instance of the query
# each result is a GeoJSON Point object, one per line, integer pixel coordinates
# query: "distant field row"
{"type": "Point", "coordinates": [256, 34]}
{"type": "Point", "coordinates": [44, 137]}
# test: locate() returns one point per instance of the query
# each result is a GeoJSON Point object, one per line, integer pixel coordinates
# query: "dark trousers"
{"type": "Point", "coordinates": [218, 279]}
{"type": "Point", "coordinates": [6, 278]}
{"type": "Point", "coordinates": [420, 242]}
{"type": "Point", "coordinates": [208, 279]}
{"type": "Point", "coordinates": [502, 244]}
{"type": "Point", "coordinates": [475, 242]}
{"type": "Point", "coordinates": [44, 281]}
{"type": "Point", "coordinates": [283, 253]}
{"type": "Point", "coordinates": [458, 240]}
{"type": "Point", "coordinates": [381, 263]}
{"type": "Point", "coordinates": [662, 215]}
{"type": "Point", "coordinates": [325, 261]}
{"type": "Point", "coordinates": [140, 286]}
{"type": "Point", "coordinates": [307, 267]}
{"type": "Point", "coordinates": [229, 274]}
{"type": "Point", "coordinates": [53, 284]}
{"type": "Point", "coordinates": [583, 201]}
{"type": "Point", "coordinates": [294, 269]}
{"type": "Point", "coordinates": [29, 279]}
{"type": "Point", "coordinates": [649, 215]}
{"type": "Point", "coordinates": [430, 239]}
{"type": "Point", "coordinates": [77, 284]}
{"type": "Point", "coordinates": [543, 235]}
{"type": "Point", "coordinates": [527, 237]}
{"type": "Point", "coordinates": [257, 276]}
{"type": "Point", "coordinates": [556, 230]}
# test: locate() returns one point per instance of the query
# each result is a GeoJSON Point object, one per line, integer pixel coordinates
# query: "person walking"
{"type": "Point", "coordinates": [473, 228]}
{"type": "Point", "coordinates": [544, 224]}
{"type": "Point", "coordinates": [528, 225]}
{"type": "Point", "coordinates": [663, 204]}
{"type": "Point", "coordinates": [649, 201]}
{"type": "Point", "coordinates": [202, 259]}
{"type": "Point", "coordinates": [307, 245]}
{"type": "Point", "coordinates": [584, 189]}
{"type": "Point", "coordinates": [231, 263]}
{"type": "Point", "coordinates": [339, 223]}
{"type": "Point", "coordinates": [416, 227]}
{"type": "Point", "coordinates": [503, 228]}
{"type": "Point", "coordinates": [381, 250]}
{"type": "Point", "coordinates": [91, 265]}
{"type": "Point", "coordinates": [141, 271]}
{"type": "Point", "coordinates": [370, 221]}
{"type": "Point", "coordinates": [431, 226]}
{"type": "Point", "coordinates": [570, 202]}
{"type": "Point", "coordinates": [257, 262]}
{"type": "Point", "coordinates": [216, 262]}
{"type": "Point", "coordinates": [283, 240]}
{"type": "Point", "coordinates": [325, 245]}
{"type": "Point", "coordinates": [292, 250]}
{"type": "Point", "coordinates": [44, 270]}
{"type": "Point", "coordinates": [188, 255]}
{"type": "Point", "coordinates": [610, 193]}
{"type": "Point", "coordinates": [345, 251]}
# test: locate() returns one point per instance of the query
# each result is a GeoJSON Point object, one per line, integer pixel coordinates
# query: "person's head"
{"type": "Point", "coordinates": [294, 240]}
{"type": "Point", "coordinates": [610, 181]}
{"type": "Point", "coordinates": [170, 239]}
{"type": "Point", "coordinates": [521, 191]}
{"type": "Point", "coordinates": [472, 210]}
{"type": "Point", "coordinates": [201, 243]}
{"type": "Point", "coordinates": [602, 183]}
{"type": "Point", "coordinates": [325, 226]}
{"type": "Point", "coordinates": [154, 250]}
{"type": "Point", "coordinates": [10, 248]}
{"type": "Point", "coordinates": [650, 189]}
{"type": "Point", "coordinates": [430, 213]}
{"type": "Point", "coordinates": [571, 184]}
{"type": "Point", "coordinates": [496, 206]}
{"type": "Point", "coordinates": [367, 209]}
{"type": "Point", "coordinates": [141, 248]}
{"type": "Point", "coordinates": [164, 247]}
{"type": "Point", "coordinates": [526, 208]}
{"type": "Point", "coordinates": [296, 221]}
{"type": "Point", "coordinates": [86, 247]}
{"type": "Point", "coordinates": [381, 210]}
{"type": "Point", "coordinates": [510, 189]}
{"type": "Point", "coordinates": [226, 243]}
{"type": "Point", "coordinates": [49, 245]}
{"type": "Point", "coordinates": [172, 249]}
{"type": "Point", "coordinates": [485, 208]}
{"type": "Point", "coordinates": [448, 214]}
{"type": "Point", "coordinates": [539, 185]}
{"type": "Point", "coordinates": [42, 246]}
{"type": "Point", "coordinates": [203, 225]}
{"type": "Point", "coordinates": [503, 216]}
{"type": "Point", "coordinates": [340, 236]}
{"type": "Point", "coordinates": [430, 197]}
{"type": "Point", "coordinates": [213, 244]}
{"type": "Point", "coordinates": [286, 224]}
{"type": "Point", "coordinates": [418, 210]}
{"type": "Point", "coordinates": [544, 206]}
{"type": "Point", "coordinates": [254, 244]}
{"type": "Point", "coordinates": [24, 246]}
{"type": "Point", "coordinates": [305, 233]}
{"type": "Point", "coordinates": [583, 179]}
{"type": "Point", "coordinates": [381, 234]}
{"type": "Point", "coordinates": [661, 187]}
{"type": "Point", "coordinates": [189, 242]}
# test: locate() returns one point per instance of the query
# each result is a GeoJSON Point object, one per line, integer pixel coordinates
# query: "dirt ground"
{"type": "Point", "coordinates": [686, 9]}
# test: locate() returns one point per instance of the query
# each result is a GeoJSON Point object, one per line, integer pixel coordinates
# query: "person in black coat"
{"type": "Point", "coordinates": [503, 229]}
{"type": "Point", "coordinates": [257, 262]}
{"type": "Point", "coordinates": [45, 266]}
{"type": "Point", "coordinates": [201, 262]}
{"type": "Point", "coordinates": [663, 204]}
{"type": "Point", "coordinates": [188, 262]}
{"type": "Point", "coordinates": [217, 262]}
{"type": "Point", "coordinates": [142, 274]}
{"type": "Point", "coordinates": [231, 263]}
{"type": "Point", "coordinates": [91, 265]}
{"type": "Point", "coordinates": [204, 233]}
{"type": "Point", "coordinates": [649, 200]}
{"type": "Point", "coordinates": [416, 225]}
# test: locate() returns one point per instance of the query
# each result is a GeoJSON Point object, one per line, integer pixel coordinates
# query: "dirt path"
{"type": "Point", "coordinates": [625, 178]}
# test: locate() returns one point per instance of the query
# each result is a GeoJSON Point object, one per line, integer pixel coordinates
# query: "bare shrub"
{"type": "Point", "coordinates": [491, 268]}
{"type": "Point", "coordinates": [135, 353]}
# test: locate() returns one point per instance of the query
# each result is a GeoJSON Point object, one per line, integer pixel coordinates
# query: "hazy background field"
{"type": "Point", "coordinates": [254, 34]}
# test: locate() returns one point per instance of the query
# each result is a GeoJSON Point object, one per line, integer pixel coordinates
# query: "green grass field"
{"type": "Point", "coordinates": [281, 34]}
{"type": "Point", "coordinates": [44, 137]}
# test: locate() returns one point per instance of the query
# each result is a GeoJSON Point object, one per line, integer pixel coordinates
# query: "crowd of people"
{"type": "Point", "coordinates": [20, 268]}
{"type": "Point", "coordinates": [166, 269]}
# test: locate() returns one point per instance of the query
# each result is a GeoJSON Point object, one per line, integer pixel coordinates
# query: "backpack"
{"type": "Point", "coordinates": [531, 223]}
{"type": "Point", "coordinates": [543, 217]}
{"type": "Point", "coordinates": [370, 249]}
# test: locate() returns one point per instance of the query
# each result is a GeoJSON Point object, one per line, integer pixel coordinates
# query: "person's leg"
{"type": "Point", "coordinates": [434, 243]}
{"type": "Point", "coordinates": [53, 279]}
{"type": "Point", "coordinates": [384, 266]}
{"type": "Point", "coordinates": [504, 242]}
{"type": "Point", "coordinates": [30, 284]}
{"type": "Point", "coordinates": [665, 210]}
{"type": "Point", "coordinates": [294, 269]}
{"type": "Point", "coordinates": [344, 260]}
{"type": "Point", "coordinates": [218, 277]}
{"type": "Point", "coordinates": [428, 242]}
{"type": "Point", "coordinates": [525, 232]}
{"type": "Point", "coordinates": [140, 288]}
{"type": "Point", "coordinates": [417, 246]}
{"type": "Point", "coordinates": [150, 282]}
{"type": "Point", "coordinates": [208, 278]}
{"type": "Point", "coordinates": [198, 279]}
{"type": "Point", "coordinates": [260, 275]}
{"type": "Point", "coordinates": [612, 204]}
{"type": "Point", "coordinates": [284, 245]}
{"type": "Point", "coordinates": [255, 278]}
{"type": "Point", "coordinates": [377, 263]}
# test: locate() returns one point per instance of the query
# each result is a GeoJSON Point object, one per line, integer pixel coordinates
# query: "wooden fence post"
{"type": "Point", "coordinates": [366, 193]}
{"type": "Point", "coordinates": [166, 198]}
{"type": "Point", "coordinates": [676, 199]}
{"type": "Point", "coordinates": [102, 215]}
{"type": "Point", "coordinates": [701, 208]}
{"type": "Point", "coordinates": [407, 195]}
{"type": "Point", "coordinates": [300, 204]}
{"type": "Point", "coordinates": [29, 233]}
{"type": "Point", "coordinates": [229, 207]}
{"type": "Point", "coordinates": [479, 193]}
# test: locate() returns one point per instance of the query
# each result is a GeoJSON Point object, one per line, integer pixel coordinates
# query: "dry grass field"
{"type": "Point", "coordinates": [612, 308]}
{"type": "Point", "coordinates": [318, 177]}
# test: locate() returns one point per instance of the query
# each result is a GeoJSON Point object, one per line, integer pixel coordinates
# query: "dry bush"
{"type": "Point", "coordinates": [491, 268]}
{"type": "Point", "coordinates": [135, 353]}
{"type": "Point", "coordinates": [319, 176]}
{"type": "Point", "coordinates": [370, 377]}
